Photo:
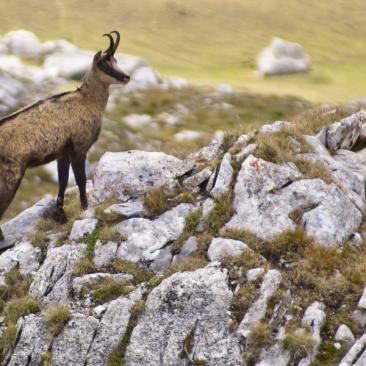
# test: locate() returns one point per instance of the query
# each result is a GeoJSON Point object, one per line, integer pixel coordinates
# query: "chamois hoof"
{"type": "Point", "coordinates": [57, 214]}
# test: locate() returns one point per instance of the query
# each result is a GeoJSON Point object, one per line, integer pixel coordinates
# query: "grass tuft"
{"type": "Point", "coordinates": [56, 317]}
{"type": "Point", "coordinates": [299, 343]}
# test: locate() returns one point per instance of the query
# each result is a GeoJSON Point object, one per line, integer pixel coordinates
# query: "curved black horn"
{"type": "Point", "coordinates": [110, 49]}
{"type": "Point", "coordinates": [117, 40]}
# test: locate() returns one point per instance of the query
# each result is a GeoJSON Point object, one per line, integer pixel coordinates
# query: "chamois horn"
{"type": "Point", "coordinates": [109, 52]}
{"type": "Point", "coordinates": [118, 37]}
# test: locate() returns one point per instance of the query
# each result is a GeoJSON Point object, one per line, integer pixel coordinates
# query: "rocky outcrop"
{"type": "Point", "coordinates": [130, 174]}
{"type": "Point", "coordinates": [203, 298]}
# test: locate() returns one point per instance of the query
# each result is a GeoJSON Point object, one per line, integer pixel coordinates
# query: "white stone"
{"type": "Point", "coordinates": [254, 273]}
{"type": "Point", "coordinates": [225, 89]}
{"type": "Point", "coordinates": [25, 223]}
{"type": "Point", "coordinates": [221, 247]}
{"type": "Point", "coordinates": [82, 228]}
{"type": "Point", "coordinates": [131, 174]}
{"type": "Point", "coordinates": [282, 57]}
{"type": "Point", "coordinates": [170, 119]}
{"type": "Point", "coordinates": [355, 354]}
{"type": "Point", "coordinates": [245, 152]}
{"type": "Point", "coordinates": [344, 334]}
{"type": "Point", "coordinates": [189, 135]}
{"type": "Point", "coordinates": [197, 179]}
{"type": "Point", "coordinates": [224, 177]}
{"type": "Point", "coordinates": [275, 127]}
{"type": "Point", "coordinates": [362, 302]}
{"type": "Point", "coordinates": [210, 152]}
{"type": "Point", "coordinates": [344, 134]}
{"type": "Point", "coordinates": [103, 253]}
{"type": "Point", "coordinates": [140, 121]}
{"type": "Point", "coordinates": [257, 311]}
{"type": "Point", "coordinates": [24, 255]}
{"type": "Point", "coordinates": [146, 237]}
{"type": "Point", "coordinates": [128, 209]}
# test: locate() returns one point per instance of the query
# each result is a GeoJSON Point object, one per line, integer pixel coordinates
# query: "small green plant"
{"type": "Point", "coordinates": [56, 317]}
{"type": "Point", "coordinates": [188, 342]}
{"type": "Point", "coordinates": [40, 240]}
{"type": "Point", "coordinates": [107, 289]}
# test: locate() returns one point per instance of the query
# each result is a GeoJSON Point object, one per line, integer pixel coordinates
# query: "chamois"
{"type": "Point", "coordinates": [62, 127]}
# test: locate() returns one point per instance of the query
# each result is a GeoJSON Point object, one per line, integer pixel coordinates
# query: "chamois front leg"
{"type": "Point", "coordinates": [63, 167]}
{"type": "Point", "coordinates": [78, 167]}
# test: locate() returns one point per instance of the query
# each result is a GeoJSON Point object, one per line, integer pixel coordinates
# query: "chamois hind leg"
{"type": "Point", "coordinates": [10, 179]}
{"type": "Point", "coordinates": [63, 167]}
{"type": "Point", "coordinates": [78, 167]}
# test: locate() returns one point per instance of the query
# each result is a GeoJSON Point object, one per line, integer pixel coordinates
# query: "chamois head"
{"type": "Point", "coordinates": [105, 64]}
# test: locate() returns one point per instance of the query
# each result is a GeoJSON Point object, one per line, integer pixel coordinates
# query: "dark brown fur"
{"type": "Point", "coordinates": [62, 127]}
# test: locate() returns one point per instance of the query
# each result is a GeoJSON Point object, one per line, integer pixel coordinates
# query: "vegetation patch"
{"type": "Point", "coordinates": [56, 317]}
{"type": "Point", "coordinates": [190, 263]}
{"type": "Point", "coordinates": [191, 222]}
{"type": "Point", "coordinates": [106, 290]}
{"type": "Point", "coordinates": [260, 337]}
{"type": "Point", "coordinates": [18, 307]}
{"type": "Point", "coordinates": [300, 344]}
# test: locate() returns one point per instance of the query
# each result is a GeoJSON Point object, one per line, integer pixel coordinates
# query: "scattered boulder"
{"type": "Point", "coordinates": [134, 208]}
{"type": "Point", "coordinates": [103, 253]}
{"type": "Point", "coordinates": [254, 273]}
{"type": "Point", "coordinates": [133, 173]}
{"type": "Point", "coordinates": [344, 334]}
{"type": "Point", "coordinates": [203, 299]}
{"type": "Point", "coordinates": [140, 121]}
{"type": "Point", "coordinates": [282, 57]}
{"type": "Point", "coordinates": [22, 43]}
{"type": "Point", "coordinates": [356, 355]}
{"type": "Point", "coordinates": [221, 247]}
{"type": "Point", "coordinates": [190, 246]}
{"type": "Point", "coordinates": [189, 135]}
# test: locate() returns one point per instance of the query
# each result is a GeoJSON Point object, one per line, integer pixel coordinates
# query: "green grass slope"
{"type": "Point", "coordinates": [215, 41]}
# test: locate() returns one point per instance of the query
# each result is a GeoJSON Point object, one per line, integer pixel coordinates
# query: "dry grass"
{"type": "Point", "coordinates": [299, 343]}
{"type": "Point", "coordinates": [56, 317]}
{"type": "Point", "coordinates": [18, 307]}
{"type": "Point", "coordinates": [187, 264]}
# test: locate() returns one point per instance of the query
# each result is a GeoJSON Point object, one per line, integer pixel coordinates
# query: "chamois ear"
{"type": "Point", "coordinates": [97, 57]}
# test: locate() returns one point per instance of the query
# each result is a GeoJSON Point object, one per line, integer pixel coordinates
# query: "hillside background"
{"type": "Point", "coordinates": [215, 41]}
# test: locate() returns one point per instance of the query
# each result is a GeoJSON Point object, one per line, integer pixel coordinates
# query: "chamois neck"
{"type": "Point", "coordinates": [95, 90]}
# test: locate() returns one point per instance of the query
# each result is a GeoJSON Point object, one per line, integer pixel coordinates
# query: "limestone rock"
{"type": "Point", "coordinates": [257, 311]}
{"type": "Point", "coordinates": [190, 246]}
{"type": "Point", "coordinates": [245, 152]}
{"type": "Point", "coordinates": [196, 301]}
{"type": "Point", "coordinates": [82, 228]}
{"type": "Point", "coordinates": [24, 255]}
{"type": "Point", "coordinates": [52, 282]}
{"type": "Point", "coordinates": [275, 126]}
{"type": "Point", "coordinates": [33, 341]}
{"type": "Point", "coordinates": [22, 43]}
{"type": "Point", "coordinates": [221, 247]}
{"type": "Point", "coordinates": [197, 179]}
{"type": "Point", "coordinates": [140, 121]}
{"type": "Point", "coordinates": [344, 334]}
{"type": "Point", "coordinates": [146, 237]}
{"type": "Point", "coordinates": [210, 152]}
{"type": "Point", "coordinates": [254, 273]}
{"type": "Point", "coordinates": [133, 173]}
{"type": "Point", "coordinates": [103, 253]}
{"type": "Point", "coordinates": [134, 208]}
{"type": "Point", "coordinates": [362, 302]}
{"type": "Point", "coordinates": [25, 223]}
{"type": "Point", "coordinates": [334, 220]}
{"type": "Point", "coordinates": [111, 328]}
{"type": "Point", "coordinates": [72, 345]}
{"type": "Point", "coordinates": [224, 177]}
{"type": "Point", "coordinates": [282, 57]}
{"type": "Point", "coordinates": [344, 134]}
{"type": "Point", "coordinates": [356, 355]}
